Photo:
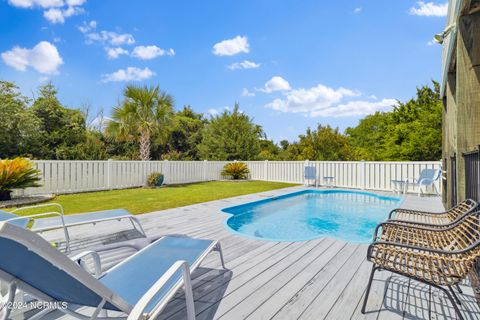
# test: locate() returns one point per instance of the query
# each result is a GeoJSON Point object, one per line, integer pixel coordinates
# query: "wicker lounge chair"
{"type": "Point", "coordinates": [431, 219]}
{"type": "Point", "coordinates": [438, 257]}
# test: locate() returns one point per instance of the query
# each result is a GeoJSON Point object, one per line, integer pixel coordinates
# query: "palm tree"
{"type": "Point", "coordinates": [145, 112]}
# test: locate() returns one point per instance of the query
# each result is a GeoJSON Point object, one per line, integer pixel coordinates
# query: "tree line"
{"type": "Point", "coordinates": [145, 125]}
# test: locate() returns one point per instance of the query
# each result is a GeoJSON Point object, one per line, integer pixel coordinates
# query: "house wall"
{"type": "Point", "coordinates": [449, 136]}
{"type": "Point", "coordinates": [461, 117]}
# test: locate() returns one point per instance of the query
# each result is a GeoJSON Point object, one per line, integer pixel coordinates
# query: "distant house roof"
{"type": "Point", "coordinates": [450, 41]}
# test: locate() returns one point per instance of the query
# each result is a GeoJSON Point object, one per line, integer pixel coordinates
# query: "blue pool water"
{"type": "Point", "coordinates": [309, 214]}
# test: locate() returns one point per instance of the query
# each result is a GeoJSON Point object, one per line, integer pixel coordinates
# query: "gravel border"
{"type": "Point", "coordinates": [22, 201]}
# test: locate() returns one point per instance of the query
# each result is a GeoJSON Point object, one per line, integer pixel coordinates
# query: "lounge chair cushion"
{"type": "Point", "coordinates": [19, 222]}
{"type": "Point", "coordinates": [132, 278]}
{"type": "Point", "coordinates": [28, 266]}
{"type": "Point", "coordinates": [70, 220]}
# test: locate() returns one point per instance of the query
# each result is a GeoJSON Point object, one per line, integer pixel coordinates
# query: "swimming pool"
{"type": "Point", "coordinates": [310, 214]}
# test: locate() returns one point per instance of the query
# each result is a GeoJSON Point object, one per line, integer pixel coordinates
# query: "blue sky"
{"type": "Point", "coordinates": [290, 64]}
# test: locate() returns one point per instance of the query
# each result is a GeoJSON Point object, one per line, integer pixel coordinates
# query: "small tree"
{"type": "Point", "coordinates": [231, 136]}
{"type": "Point", "coordinates": [144, 113]}
{"type": "Point", "coordinates": [61, 129]}
{"type": "Point", "coordinates": [19, 127]}
{"type": "Point", "coordinates": [325, 144]}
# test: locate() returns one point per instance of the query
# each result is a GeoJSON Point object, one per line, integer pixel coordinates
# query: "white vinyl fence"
{"type": "Point", "coordinates": [80, 176]}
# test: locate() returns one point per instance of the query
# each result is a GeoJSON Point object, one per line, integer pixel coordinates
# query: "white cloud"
{"type": "Point", "coordinates": [311, 101]}
{"type": "Point", "coordinates": [246, 93]}
{"type": "Point", "coordinates": [36, 3]}
{"type": "Point", "coordinates": [74, 3]}
{"type": "Point", "coordinates": [86, 27]}
{"type": "Point", "coordinates": [55, 15]}
{"type": "Point", "coordinates": [110, 37]}
{"type": "Point", "coordinates": [58, 10]}
{"type": "Point", "coordinates": [99, 123]}
{"type": "Point", "coordinates": [355, 108]}
{"type": "Point", "coordinates": [232, 47]}
{"type": "Point", "coordinates": [129, 74]}
{"type": "Point", "coordinates": [114, 53]}
{"type": "Point", "coordinates": [246, 64]}
{"type": "Point", "coordinates": [429, 9]}
{"type": "Point", "coordinates": [104, 36]}
{"type": "Point", "coordinates": [275, 84]}
{"type": "Point", "coordinates": [213, 112]}
{"type": "Point", "coordinates": [431, 43]}
{"type": "Point", "coordinates": [151, 52]}
{"type": "Point", "coordinates": [44, 58]}
{"type": "Point", "coordinates": [113, 38]}
{"type": "Point", "coordinates": [357, 10]}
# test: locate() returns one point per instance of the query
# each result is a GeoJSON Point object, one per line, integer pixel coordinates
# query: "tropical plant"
{"type": "Point", "coordinates": [143, 115]}
{"type": "Point", "coordinates": [17, 173]}
{"type": "Point", "coordinates": [155, 179]}
{"type": "Point", "coordinates": [236, 170]}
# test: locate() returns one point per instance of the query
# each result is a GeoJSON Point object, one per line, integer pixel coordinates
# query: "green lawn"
{"type": "Point", "coordinates": [140, 201]}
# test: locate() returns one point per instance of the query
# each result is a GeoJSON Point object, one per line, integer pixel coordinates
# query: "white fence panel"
{"type": "Point", "coordinates": [79, 176]}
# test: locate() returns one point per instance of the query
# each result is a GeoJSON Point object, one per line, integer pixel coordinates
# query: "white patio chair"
{"type": "Point", "coordinates": [310, 174]}
{"type": "Point", "coordinates": [138, 288]}
{"type": "Point", "coordinates": [427, 178]}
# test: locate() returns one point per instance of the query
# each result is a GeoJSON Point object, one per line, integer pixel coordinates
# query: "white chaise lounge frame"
{"type": "Point", "coordinates": [65, 225]}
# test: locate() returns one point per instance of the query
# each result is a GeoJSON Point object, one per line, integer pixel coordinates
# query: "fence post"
{"type": "Point", "coordinates": [363, 169]}
{"type": "Point", "coordinates": [305, 165]}
{"type": "Point", "coordinates": [205, 164]}
{"type": "Point", "coordinates": [109, 173]}
{"type": "Point", "coordinates": [166, 169]}
{"type": "Point", "coordinates": [265, 170]}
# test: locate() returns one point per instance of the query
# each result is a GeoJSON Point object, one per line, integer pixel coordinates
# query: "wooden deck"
{"type": "Point", "coordinates": [318, 279]}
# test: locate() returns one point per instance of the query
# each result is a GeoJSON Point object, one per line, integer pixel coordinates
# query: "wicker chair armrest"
{"type": "Point", "coordinates": [473, 203]}
{"type": "Point", "coordinates": [426, 227]}
{"type": "Point", "coordinates": [415, 212]}
{"type": "Point", "coordinates": [420, 224]}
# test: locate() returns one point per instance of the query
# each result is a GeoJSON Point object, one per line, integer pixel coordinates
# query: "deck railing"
{"type": "Point", "coordinates": [80, 176]}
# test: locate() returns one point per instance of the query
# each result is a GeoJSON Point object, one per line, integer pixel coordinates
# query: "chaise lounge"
{"type": "Point", "coordinates": [40, 270]}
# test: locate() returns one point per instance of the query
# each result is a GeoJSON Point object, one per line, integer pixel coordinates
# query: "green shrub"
{"type": "Point", "coordinates": [236, 170]}
{"type": "Point", "coordinates": [155, 179]}
{"type": "Point", "coordinates": [17, 173]}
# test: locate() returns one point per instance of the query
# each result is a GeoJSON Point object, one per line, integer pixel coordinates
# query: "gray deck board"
{"type": "Point", "coordinates": [318, 279]}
